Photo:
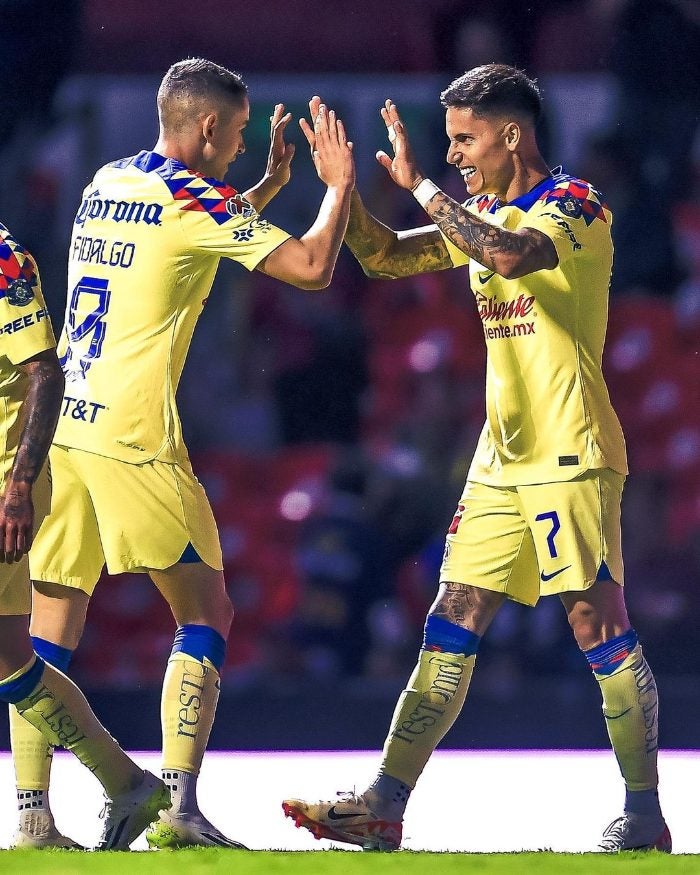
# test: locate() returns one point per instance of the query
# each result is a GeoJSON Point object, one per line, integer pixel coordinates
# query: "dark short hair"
{"type": "Point", "coordinates": [196, 78]}
{"type": "Point", "coordinates": [494, 89]}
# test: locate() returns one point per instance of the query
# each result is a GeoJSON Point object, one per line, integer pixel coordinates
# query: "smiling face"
{"type": "Point", "coordinates": [482, 148]}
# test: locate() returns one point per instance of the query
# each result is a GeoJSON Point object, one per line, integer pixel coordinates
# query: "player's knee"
{"type": "Point", "coordinates": [593, 625]}
{"type": "Point", "coordinates": [468, 607]}
{"type": "Point", "coordinates": [227, 612]}
{"type": "Point", "coordinates": [217, 613]}
{"type": "Point", "coordinates": [587, 626]}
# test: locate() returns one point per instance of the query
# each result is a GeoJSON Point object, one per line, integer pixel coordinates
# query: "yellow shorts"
{"type": "Point", "coordinates": [15, 589]}
{"type": "Point", "coordinates": [131, 517]}
{"type": "Point", "coordinates": [528, 541]}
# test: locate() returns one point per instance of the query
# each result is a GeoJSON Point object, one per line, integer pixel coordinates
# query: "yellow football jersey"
{"type": "Point", "coordinates": [548, 412]}
{"type": "Point", "coordinates": [25, 330]}
{"type": "Point", "coordinates": [146, 244]}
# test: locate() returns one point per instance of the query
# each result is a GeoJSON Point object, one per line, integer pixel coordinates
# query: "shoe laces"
{"type": "Point", "coordinates": [351, 796]}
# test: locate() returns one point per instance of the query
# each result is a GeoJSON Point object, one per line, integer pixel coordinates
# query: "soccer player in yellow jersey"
{"type": "Point", "coordinates": [146, 243]}
{"type": "Point", "coordinates": [31, 385]}
{"type": "Point", "coordinates": [540, 512]}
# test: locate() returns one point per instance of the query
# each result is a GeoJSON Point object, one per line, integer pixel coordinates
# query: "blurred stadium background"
{"type": "Point", "coordinates": [332, 431]}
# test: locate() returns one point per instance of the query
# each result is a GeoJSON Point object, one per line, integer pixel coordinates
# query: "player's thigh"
{"type": "Point", "coordinates": [196, 594]}
{"type": "Point", "coordinates": [58, 613]}
{"type": "Point", "coordinates": [148, 514]}
{"type": "Point", "coordinates": [489, 545]}
{"type": "Point", "coordinates": [576, 530]}
{"type": "Point", "coordinates": [67, 549]}
{"type": "Point", "coordinates": [15, 590]}
{"type": "Point", "coordinates": [15, 644]}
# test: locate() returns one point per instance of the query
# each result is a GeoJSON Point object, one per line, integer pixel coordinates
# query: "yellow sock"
{"type": "Point", "coordinates": [425, 711]}
{"type": "Point", "coordinates": [631, 711]}
{"type": "Point", "coordinates": [58, 709]}
{"type": "Point", "coordinates": [31, 754]}
{"type": "Point", "coordinates": [188, 706]}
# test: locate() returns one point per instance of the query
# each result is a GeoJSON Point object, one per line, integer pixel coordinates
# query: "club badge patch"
{"type": "Point", "coordinates": [570, 206]}
{"type": "Point", "coordinates": [20, 292]}
{"type": "Point", "coordinates": [237, 205]}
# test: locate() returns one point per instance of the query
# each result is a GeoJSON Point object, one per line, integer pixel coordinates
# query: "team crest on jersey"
{"type": "Point", "coordinates": [570, 206]}
{"type": "Point", "coordinates": [18, 277]}
{"type": "Point", "coordinates": [575, 198]}
{"type": "Point", "coordinates": [237, 205]}
{"type": "Point", "coordinates": [20, 292]}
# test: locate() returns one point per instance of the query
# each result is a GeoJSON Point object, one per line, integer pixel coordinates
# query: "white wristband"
{"type": "Point", "coordinates": [424, 191]}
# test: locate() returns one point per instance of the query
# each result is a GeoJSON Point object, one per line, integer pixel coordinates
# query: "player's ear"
{"type": "Point", "coordinates": [209, 122]}
{"type": "Point", "coordinates": [511, 135]}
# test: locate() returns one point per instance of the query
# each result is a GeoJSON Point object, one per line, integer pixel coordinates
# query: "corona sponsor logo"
{"type": "Point", "coordinates": [105, 210]}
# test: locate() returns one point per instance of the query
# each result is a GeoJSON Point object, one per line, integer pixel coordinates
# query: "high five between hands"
{"type": "Point", "coordinates": [330, 150]}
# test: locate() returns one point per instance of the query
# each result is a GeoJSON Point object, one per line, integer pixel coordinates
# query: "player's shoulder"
{"type": "Point", "coordinates": [572, 196]}
{"type": "Point", "coordinates": [18, 274]}
{"type": "Point", "coordinates": [195, 192]}
{"type": "Point", "coordinates": [190, 191]}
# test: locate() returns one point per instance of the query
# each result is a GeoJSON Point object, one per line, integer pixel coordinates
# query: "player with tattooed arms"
{"type": "Point", "coordinates": [540, 512]}
{"type": "Point", "coordinates": [31, 387]}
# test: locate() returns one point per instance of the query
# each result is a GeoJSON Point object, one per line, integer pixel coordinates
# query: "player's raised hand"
{"type": "Point", "coordinates": [402, 168]}
{"type": "Point", "coordinates": [330, 150]}
{"type": "Point", "coordinates": [280, 155]}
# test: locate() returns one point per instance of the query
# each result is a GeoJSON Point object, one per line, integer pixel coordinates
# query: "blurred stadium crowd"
{"type": "Point", "coordinates": [332, 431]}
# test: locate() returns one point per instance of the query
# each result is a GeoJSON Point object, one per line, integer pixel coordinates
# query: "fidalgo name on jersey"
{"type": "Point", "coordinates": [97, 250]}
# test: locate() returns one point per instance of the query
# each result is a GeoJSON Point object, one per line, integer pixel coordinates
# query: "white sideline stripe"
{"type": "Point", "coordinates": [465, 801]}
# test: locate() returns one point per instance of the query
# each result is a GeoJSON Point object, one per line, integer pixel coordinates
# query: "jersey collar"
{"type": "Point", "coordinates": [525, 201]}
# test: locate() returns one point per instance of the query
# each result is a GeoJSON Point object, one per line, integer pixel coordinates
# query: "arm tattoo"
{"type": "Point", "coordinates": [40, 414]}
{"type": "Point", "coordinates": [478, 239]}
{"type": "Point", "coordinates": [384, 253]}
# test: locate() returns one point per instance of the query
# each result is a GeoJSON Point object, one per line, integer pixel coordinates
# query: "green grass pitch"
{"type": "Point", "coordinates": [211, 861]}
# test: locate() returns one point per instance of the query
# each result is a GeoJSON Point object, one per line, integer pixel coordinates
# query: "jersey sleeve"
{"type": "Point", "coordinates": [217, 220]}
{"type": "Point", "coordinates": [25, 326]}
{"type": "Point", "coordinates": [573, 216]}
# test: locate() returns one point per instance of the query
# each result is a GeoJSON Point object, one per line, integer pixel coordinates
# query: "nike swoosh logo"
{"type": "Point", "coordinates": [338, 815]}
{"type": "Point", "coordinates": [545, 577]}
{"type": "Point", "coordinates": [485, 279]}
